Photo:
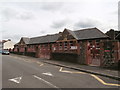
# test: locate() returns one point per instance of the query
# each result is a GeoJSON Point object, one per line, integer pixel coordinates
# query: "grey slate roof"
{"type": "Point", "coordinates": [26, 40]}
{"type": "Point", "coordinates": [72, 33]}
{"type": "Point", "coordinates": [44, 39]}
{"type": "Point", "coordinates": [90, 33]}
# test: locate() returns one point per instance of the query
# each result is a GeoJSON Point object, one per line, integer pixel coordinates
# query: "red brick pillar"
{"type": "Point", "coordinates": [62, 46]}
{"type": "Point", "coordinates": [39, 52]}
{"type": "Point", "coordinates": [54, 47]}
{"type": "Point", "coordinates": [116, 50]}
{"type": "Point", "coordinates": [78, 48]}
{"type": "Point", "coordinates": [58, 46]}
{"type": "Point", "coordinates": [88, 53]}
{"type": "Point", "coordinates": [68, 45]}
{"type": "Point", "coordinates": [101, 52]}
{"type": "Point", "coordinates": [94, 48]}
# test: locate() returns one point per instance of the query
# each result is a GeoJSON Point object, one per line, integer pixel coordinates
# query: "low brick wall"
{"type": "Point", "coordinates": [30, 54]}
{"type": "Point", "coordinates": [68, 57]}
{"type": "Point", "coordinates": [19, 53]}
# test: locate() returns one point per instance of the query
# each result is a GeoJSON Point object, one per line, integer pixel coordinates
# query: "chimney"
{"type": "Point", "coordinates": [111, 34]}
{"type": "Point", "coordinates": [60, 32]}
{"type": "Point", "coordinates": [9, 39]}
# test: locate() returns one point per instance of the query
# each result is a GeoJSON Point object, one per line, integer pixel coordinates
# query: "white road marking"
{"type": "Point", "coordinates": [50, 84]}
{"type": "Point", "coordinates": [64, 70]}
{"type": "Point", "coordinates": [61, 70]}
{"type": "Point", "coordinates": [48, 73]}
{"type": "Point", "coordinates": [41, 64]}
{"type": "Point", "coordinates": [16, 80]}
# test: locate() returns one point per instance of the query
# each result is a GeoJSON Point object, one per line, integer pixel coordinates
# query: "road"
{"type": "Point", "coordinates": [20, 72]}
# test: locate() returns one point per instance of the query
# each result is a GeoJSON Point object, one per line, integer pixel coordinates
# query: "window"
{"type": "Point", "coordinates": [60, 46]}
{"type": "Point", "coordinates": [90, 44]}
{"type": "Point", "coordinates": [29, 46]}
{"type": "Point", "coordinates": [65, 45]}
{"type": "Point", "coordinates": [46, 46]}
{"type": "Point", "coordinates": [97, 44]}
{"type": "Point", "coordinates": [71, 43]}
{"type": "Point", "coordinates": [32, 46]}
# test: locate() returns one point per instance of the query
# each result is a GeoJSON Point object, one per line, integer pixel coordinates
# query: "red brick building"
{"type": "Point", "coordinates": [82, 45]}
{"type": "Point", "coordinates": [41, 46]}
{"type": "Point", "coordinates": [21, 46]}
{"type": "Point", "coordinates": [87, 46]}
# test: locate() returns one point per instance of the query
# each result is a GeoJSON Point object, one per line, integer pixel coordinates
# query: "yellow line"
{"type": "Point", "coordinates": [41, 64]}
{"type": "Point", "coordinates": [61, 70]}
{"type": "Point", "coordinates": [38, 62]}
{"type": "Point", "coordinates": [80, 72]}
{"type": "Point", "coordinates": [27, 61]}
{"type": "Point", "coordinates": [100, 80]}
{"type": "Point", "coordinates": [67, 71]}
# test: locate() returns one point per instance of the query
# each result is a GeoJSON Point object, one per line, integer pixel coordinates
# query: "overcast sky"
{"type": "Point", "coordinates": [35, 18]}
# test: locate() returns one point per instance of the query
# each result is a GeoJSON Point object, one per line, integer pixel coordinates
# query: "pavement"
{"type": "Point", "coordinates": [114, 74]}
{"type": "Point", "coordinates": [27, 72]}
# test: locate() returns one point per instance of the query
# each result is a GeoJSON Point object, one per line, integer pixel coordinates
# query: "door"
{"type": "Point", "coordinates": [94, 53]}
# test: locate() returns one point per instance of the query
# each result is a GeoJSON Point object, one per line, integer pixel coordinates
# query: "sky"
{"type": "Point", "coordinates": [31, 18]}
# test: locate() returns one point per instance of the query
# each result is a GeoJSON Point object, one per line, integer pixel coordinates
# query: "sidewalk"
{"type": "Point", "coordinates": [114, 74]}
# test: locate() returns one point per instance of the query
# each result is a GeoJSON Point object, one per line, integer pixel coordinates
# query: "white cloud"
{"type": "Point", "coordinates": [87, 23]}
{"type": "Point", "coordinates": [40, 18]}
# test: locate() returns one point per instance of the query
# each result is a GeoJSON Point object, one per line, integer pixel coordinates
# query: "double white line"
{"type": "Point", "coordinates": [50, 84]}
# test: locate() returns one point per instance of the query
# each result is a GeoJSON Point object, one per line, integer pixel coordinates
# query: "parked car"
{"type": "Point", "coordinates": [5, 52]}
{"type": "Point", "coordinates": [0, 51]}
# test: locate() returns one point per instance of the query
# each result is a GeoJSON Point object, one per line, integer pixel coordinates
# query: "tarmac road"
{"type": "Point", "coordinates": [20, 72]}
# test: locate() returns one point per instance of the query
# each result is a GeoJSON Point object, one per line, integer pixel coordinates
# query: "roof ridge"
{"type": "Point", "coordinates": [72, 33]}
{"type": "Point", "coordinates": [92, 29]}
{"type": "Point", "coordinates": [86, 29]}
{"type": "Point", "coordinates": [45, 35]}
{"type": "Point", "coordinates": [102, 32]}
{"type": "Point", "coordinates": [24, 37]}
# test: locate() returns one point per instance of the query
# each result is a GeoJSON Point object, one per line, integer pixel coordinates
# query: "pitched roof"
{"type": "Point", "coordinates": [72, 33]}
{"type": "Point", "coordinates": [26, 40]}
{"type": "Point", "coordinates": [90, 33]}
{"type": "Point", "coordinates": [44, 39]}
